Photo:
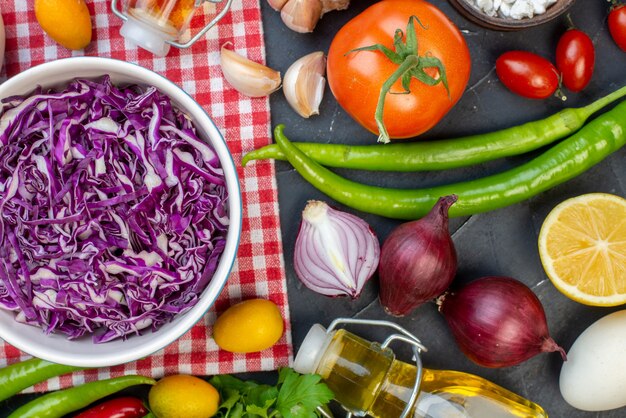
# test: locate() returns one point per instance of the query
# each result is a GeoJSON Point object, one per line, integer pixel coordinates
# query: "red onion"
{"type": "Point", "coordinates": [498, 322]}
{"type": "Point", "coordinates": [336, 252]}
{"type": "Point", "coordinates": [417, 261]}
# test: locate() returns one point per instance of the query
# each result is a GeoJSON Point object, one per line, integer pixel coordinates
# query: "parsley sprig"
{"type": "Point", "coordinates": [294, 396]}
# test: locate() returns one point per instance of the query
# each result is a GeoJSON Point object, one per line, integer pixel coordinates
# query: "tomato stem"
{"type": "Point", "coordinates": [410, 62]}
{"type": "Point", "coordinates": [410, 65]}
{"type": "Point", "coordinates": [570, 22]}
{"type": "Point", "coordinates": [559, 90]}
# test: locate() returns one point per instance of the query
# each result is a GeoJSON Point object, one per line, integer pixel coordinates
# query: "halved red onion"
{"type": "Point", "coordinates": [336, 252]}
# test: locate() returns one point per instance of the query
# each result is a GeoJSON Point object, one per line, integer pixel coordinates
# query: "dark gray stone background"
{"type": "Point", "coordinates": [501, 242]}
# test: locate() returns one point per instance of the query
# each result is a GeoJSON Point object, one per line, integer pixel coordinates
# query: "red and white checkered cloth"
{"type": "Point", "coordinates": [245, 122]}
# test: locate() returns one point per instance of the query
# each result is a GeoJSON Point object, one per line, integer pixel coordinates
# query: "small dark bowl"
{"type": "Point", "coordinates": [507, 24]}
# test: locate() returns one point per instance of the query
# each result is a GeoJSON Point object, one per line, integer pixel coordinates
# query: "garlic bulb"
{"type": "Point", "coordinates": [248, 77]}
{"type": "Point", "coordinates": [304, 84]}
{"type": "Point", "coordinates": [301, 15]}
{"type": "Point", "coordinates": [336, 252]}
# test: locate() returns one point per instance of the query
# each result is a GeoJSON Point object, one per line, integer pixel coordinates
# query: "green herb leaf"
{"type": "Point", "coordinates": [229, 382]}
{"type": "Point", "coordinates": [300, 395]}
{"type": "Point", "coordinates": [294, 396]}
{"type": "Point", "coordinates": [236, 412]}
{"type": "Point", "coordinates": [263, 412]}
{"type": "Point", "coordinates": [231, 397]}
{"type": "Point", "coordinates": [261, 395]}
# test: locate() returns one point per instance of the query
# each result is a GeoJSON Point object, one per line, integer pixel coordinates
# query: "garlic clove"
{"type": "Point", "coordinates": [304, 84]}
{"type": "Point", "coordinates": [301, 15]}
{"type": "Point", "coordinates": [276, 4]}
{"type": "Point", "coordinates": [330, 5]}
{"type": "Point", "coordinates": [246, 76]}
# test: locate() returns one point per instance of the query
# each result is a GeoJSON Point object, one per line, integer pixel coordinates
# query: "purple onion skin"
{"type": "Point", "coordinates": [417, 261]}
{"type": "Point", "coordinates": [498, 322]}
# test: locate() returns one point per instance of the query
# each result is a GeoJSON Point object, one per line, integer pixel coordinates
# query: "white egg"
{"type": "Point", "coordinates": [593, 378]}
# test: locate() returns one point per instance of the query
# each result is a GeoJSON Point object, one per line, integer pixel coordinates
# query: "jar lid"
{"type": "Point", "coordinates": [145, 36]}
{"type": "Point", "coordinates": [311, 350]}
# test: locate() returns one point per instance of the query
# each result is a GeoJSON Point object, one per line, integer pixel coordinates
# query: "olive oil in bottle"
{"type": "Point", "coordinates": [367, 380]}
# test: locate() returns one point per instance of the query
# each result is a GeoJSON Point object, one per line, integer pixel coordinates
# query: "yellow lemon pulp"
{"type": "Point", "coordinates": [249, 326]}
{"type": "Point", "coordinates": [183, 396]}
{"type": "Point", "coordinates": [582, 245]}
{"type": "Point", "coordinates": [68, 22]}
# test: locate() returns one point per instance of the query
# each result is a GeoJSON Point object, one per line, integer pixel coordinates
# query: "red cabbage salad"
{"type": "Point", "coordinates": [113, 213]}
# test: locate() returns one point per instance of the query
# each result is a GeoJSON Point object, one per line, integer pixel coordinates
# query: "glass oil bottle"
{"type": "Point", "coordinates": [367, 379]}
{"type": "Point", "coordinates": [155, 25]}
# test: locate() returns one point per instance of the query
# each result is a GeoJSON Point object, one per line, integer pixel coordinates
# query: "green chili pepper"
{"type": "Point", "coordinates": [62, 402]}
{"type": "Point", "coordinates": [19, 376]}
{"type": "Point", "coordinates": [448, 153]}
{"type": "Point", "coordinates": [564, 161]}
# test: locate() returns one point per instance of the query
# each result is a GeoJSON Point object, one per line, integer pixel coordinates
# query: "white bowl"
{"type": "Point", "coordinates": [83, 352]}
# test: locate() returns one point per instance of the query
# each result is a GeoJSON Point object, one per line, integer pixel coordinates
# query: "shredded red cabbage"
{"type": "Point", "coordinates": [113, 211]}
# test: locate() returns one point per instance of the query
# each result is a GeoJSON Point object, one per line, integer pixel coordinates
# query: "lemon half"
{"type": "Point", "coordinates": [582, 246]}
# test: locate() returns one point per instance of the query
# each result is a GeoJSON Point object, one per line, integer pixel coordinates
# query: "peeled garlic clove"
{"type": "Point", "coordinates": [276, 4]}
{"type": "Point", "coordinates": [248, 77]}
{"type": "Point", "coordinates": [330, 5]}
{"type": "Point", "coordinates": [301, 15]}
{"type": "Point", "coordinates": [304, 84]}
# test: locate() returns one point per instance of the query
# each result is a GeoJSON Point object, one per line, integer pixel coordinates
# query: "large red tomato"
{"type": "Point", "coordinates": [356, 78]}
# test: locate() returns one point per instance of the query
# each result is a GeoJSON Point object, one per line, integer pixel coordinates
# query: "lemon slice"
{"type": "Point", "coordinates": [582, 245]}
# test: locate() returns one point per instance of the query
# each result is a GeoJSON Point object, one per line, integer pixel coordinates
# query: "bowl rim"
{"type": "Point", "coordinates": [504, 24]}
{"type": "Point", "coordinates": [209, 295]}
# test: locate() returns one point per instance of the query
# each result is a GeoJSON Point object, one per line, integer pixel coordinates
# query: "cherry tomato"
{"type": "Point", "coordinates": [356, 78]}
{"type": "Point", "coordinates": [575, 59]}
{"type": "Point", "coordinates": [617, 25]}
{"type": "Point", "coordinates": [527, 74]}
